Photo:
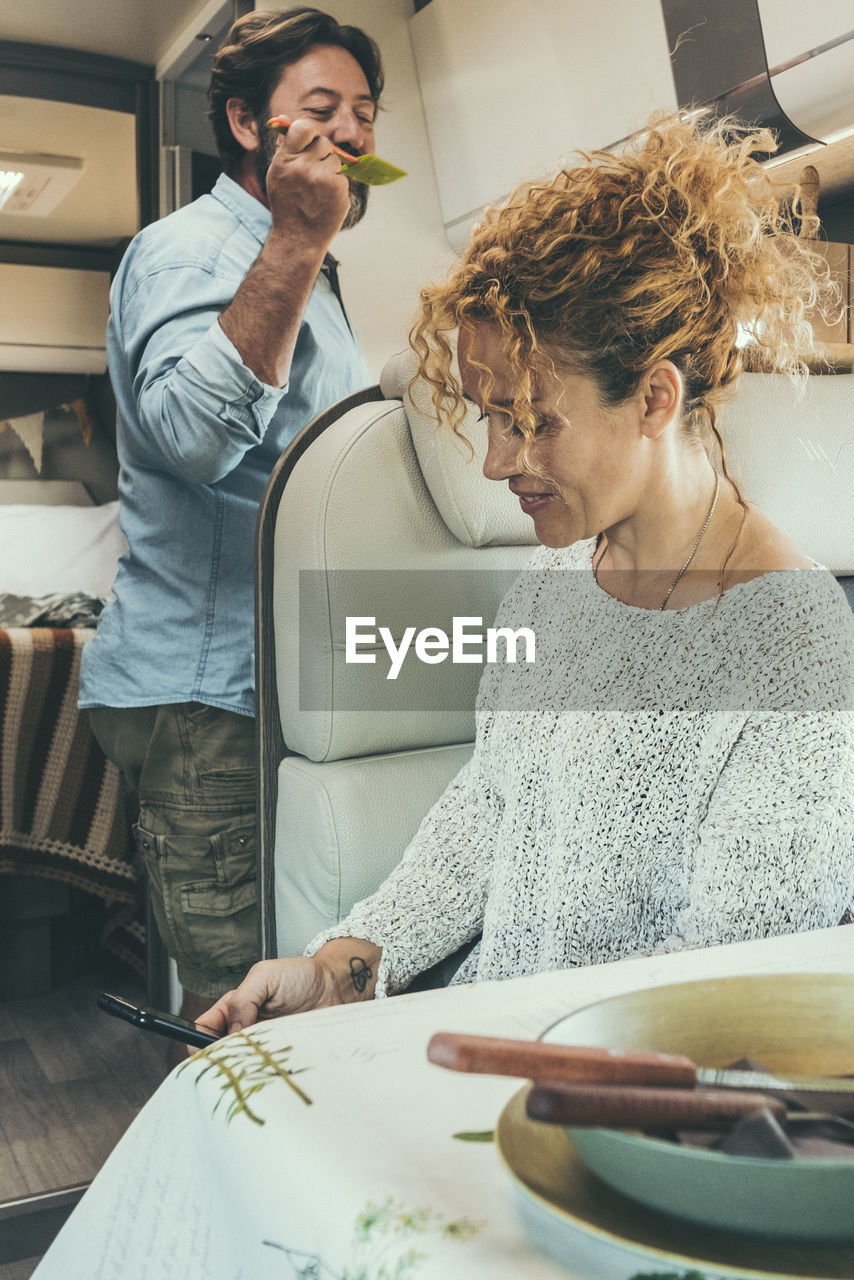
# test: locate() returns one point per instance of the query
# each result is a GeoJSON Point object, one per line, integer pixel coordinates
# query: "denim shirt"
{"type": "Point", "coordinates": [197, 436]}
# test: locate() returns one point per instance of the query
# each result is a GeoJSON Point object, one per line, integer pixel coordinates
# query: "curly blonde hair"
{"type": "Point", "coordinates": [665, 251]}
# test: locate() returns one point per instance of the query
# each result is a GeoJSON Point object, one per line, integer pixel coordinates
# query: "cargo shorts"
{"type": "Point", "coordinates": [193, 769]}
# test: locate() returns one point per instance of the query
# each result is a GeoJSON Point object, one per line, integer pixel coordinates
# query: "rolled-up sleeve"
{"type": "Point", "coordinates": [200, 409]}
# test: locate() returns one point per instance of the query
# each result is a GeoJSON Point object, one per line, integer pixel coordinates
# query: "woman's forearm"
{"type": "Point", "coordinates": [351, 965]}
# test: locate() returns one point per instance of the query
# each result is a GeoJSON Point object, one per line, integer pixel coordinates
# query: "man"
{"type": "Point", "coordinates": [226, 335]}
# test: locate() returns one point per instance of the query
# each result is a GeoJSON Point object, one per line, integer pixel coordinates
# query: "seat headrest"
{"type": "Point", "coordinates": [792, 453]}
{"type": "Point", "coordinates": [465, 499]}
{"type": "Point", "coordinates": [392, 558]}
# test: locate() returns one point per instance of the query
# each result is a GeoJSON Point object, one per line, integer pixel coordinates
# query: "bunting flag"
{"type": "Point", "coordinates": [30, 428]}
{"type": "Point", "coordinates": [30, 432]}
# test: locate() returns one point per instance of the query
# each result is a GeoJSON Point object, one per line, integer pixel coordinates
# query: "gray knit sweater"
{"type": "Point", "coordinates": [653, 780]}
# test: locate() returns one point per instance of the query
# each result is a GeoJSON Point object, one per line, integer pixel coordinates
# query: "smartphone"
{"type": "Point", "coordinates": [162, 1024]}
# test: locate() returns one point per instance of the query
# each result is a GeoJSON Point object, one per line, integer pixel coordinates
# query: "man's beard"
{"type": "Point", "coordinates": [264, 158]}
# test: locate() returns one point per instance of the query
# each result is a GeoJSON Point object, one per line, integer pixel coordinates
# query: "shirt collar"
{"type": "Point", "coordinates": [258, 219]}
{"type": "Point", "coordinates": [255, 216]}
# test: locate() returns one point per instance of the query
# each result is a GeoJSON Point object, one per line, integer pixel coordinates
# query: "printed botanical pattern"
{"type": "Point", "coordinates": [383, 1247]}
{"type": "Point", "coordinates": [245, 1066]}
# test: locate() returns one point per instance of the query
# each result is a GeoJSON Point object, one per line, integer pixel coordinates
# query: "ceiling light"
{"type": "Point", "coordinates": [9, 180]}
{"type": "Point", "coordinates": [33, 185]}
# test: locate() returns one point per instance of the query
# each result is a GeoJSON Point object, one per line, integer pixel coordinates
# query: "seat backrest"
{"type": "Point", "coordinates": [792, 453]}
{"type": "Point", "coordinates": [382, 516]}
{"type": "Point", "coordinates": [375, 513]}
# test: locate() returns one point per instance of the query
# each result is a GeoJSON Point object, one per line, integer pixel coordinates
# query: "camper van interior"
{"type": "Point", "coordinates": [329, 1142]}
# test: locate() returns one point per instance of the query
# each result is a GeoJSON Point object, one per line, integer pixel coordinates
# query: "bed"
{"type": "Point", "coordinates": [62, 811]}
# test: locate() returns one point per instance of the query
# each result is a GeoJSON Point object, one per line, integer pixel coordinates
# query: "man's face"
{"type": "Point", "coordinates": [328, 87]}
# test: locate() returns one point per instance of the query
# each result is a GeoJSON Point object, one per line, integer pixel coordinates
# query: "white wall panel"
{"type": "Point", "coordinates": [512, 87]}
{"type": "Point", "coordinates": [818, 94]}
{"type": "Point", "coordinates": [400, 244]}
{"type": "Point", "coordinates": [790, 27]}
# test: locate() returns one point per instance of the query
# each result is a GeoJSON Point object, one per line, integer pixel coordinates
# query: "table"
{"type": "Point", "coordinates": [367, 1181]}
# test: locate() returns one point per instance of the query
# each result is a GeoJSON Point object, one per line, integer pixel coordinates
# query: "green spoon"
{"type": "Point", "coordinates": [369, 168]}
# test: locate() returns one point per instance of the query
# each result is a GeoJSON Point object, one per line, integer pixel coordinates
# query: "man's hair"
{"type": "Point", "coordinates": [257, 49]}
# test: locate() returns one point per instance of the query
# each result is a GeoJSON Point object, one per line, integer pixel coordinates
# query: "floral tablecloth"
{"type": "Point", "coordinates": [323, 1146]}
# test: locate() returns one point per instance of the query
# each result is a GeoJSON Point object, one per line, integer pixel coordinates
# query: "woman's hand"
{"type": "Point", "coordinates": [342, 971]}
{"type": "Point", "coordinates": [270, 988]}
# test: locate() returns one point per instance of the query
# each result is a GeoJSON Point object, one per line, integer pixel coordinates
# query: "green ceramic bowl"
{"type": "Point", "coordinates": [800, 1023]}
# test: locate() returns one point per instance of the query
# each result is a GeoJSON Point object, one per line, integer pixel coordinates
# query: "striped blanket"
{"type": "Point", "coordinates": [62, 814]}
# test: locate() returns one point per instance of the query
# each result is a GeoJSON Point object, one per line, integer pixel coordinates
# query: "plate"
{"type": "Point", "coordinates": [599, 1234]}
{"type": "Point", "coordinates": [791, 1023]}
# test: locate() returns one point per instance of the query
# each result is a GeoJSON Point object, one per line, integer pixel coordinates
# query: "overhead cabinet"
{"type": "Point", "coordinates": [53, 319]}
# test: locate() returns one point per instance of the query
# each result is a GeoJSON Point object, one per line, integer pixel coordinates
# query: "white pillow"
{"type": "Point", "coordinates": [50, 550]}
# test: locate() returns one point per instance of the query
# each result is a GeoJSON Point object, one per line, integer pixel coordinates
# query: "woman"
{"type": "Point", "coordinates": [677, 767]}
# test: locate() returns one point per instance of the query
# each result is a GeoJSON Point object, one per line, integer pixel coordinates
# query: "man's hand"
{"type": "Point", "coordinates": [309, 197]}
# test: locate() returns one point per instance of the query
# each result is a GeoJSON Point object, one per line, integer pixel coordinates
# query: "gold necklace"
{"type": "Point", "coordinates": [678, 578]}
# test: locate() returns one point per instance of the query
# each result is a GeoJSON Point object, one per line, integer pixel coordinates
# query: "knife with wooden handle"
{"type": "Point", "coordinates": [536, 1060]}
{"type": "Point", "coordinates": [645, 1107]}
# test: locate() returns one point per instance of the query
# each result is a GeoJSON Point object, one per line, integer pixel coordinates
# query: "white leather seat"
{"type": "Point", "coordinates": [793, 455]}
{"type": "Point", "coordinates": [376, 512]}
{"type": "Point", "coordinates": [383, 515]}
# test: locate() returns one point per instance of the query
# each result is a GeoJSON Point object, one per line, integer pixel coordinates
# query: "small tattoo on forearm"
{"type": "Point", "coordinates": [360, 972]}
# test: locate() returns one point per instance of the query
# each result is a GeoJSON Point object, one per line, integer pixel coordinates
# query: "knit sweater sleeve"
{"type": "Point", "coordinates": [775, 848]}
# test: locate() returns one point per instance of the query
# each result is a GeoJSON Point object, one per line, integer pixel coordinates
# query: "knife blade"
{"type": "Point", "coordinates": [537, 1060]}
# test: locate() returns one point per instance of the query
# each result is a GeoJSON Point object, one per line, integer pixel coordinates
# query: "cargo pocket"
{"type": "Point", "coordinates": [221, 914]}
{"type": "Point", "coordinates": [204, 895]}
{"type": "Point", "coordinates": [221, 746]}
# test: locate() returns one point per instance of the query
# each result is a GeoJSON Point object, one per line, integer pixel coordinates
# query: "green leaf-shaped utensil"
{"type": "Point", "coordinates": [369, 168]}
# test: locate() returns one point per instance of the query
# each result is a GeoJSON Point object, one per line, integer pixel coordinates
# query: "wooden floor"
{"type": "Point", "coordinates": [71, 1081]}
{"type": "Point", "coordinates": [19, 1270]}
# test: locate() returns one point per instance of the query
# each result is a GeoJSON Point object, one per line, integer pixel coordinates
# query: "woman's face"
{"type": "Point", "coordinates": [590, 461]}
